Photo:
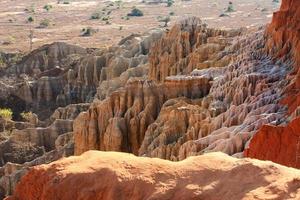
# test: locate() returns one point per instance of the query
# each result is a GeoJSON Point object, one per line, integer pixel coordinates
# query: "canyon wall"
{"type": "Point", "coordinates": [176, 113]}
{"type": "Point", "coordinates": [281, 143]}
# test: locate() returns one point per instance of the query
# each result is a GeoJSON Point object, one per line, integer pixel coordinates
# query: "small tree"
{"type": "Point", "coordinates": [44, 23]}
{"type": "Point", "coordinates": [135, 12]}
{"type": "Point", "coordinates": [47, 7]}
{"type": "Point", "coordinates": [6, 114]}
{"type": "Point", "coordinates": [170, 3]}
{"type": "Point", "coordinates": [230, 7]}
{"type": "Point", "coordinates": [30, 20]}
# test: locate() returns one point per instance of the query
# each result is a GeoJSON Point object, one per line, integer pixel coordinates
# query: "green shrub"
{"type": "Point", "coordinates": [44, 23]}
{"type": "Point", "coordinates": [89, 31]}
{"type": "Point", "coordinates": [105, 18]}
{"type": "Point", "coordinates": [48, 7]}
{"type": "Point", "coordinates": [170, 3]}
{"type": "Point", "coordinates": [172, 13]}
{"type": "Point", "coordinates": [96, 15]}
{"type": "Point", "coordinates": [230, 7]}
{"type": "Point", "coordinates": [30, 19]}
{"type": "Point", "coordinates": [26, 116]}
{"type": "Point", "coordinates": [6, 114]}
{"type": "Point", "coordinates": [135, 12]}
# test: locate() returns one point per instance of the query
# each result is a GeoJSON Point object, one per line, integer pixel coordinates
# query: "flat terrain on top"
{"type": "Point", "coordinates": [66, 20]}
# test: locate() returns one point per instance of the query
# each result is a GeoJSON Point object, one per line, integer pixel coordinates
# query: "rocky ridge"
{"type": "Point", "coordinates": [124, 176]}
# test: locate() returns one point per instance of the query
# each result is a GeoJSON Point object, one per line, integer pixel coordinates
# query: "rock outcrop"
{"type": "Point", "coordinates": [190, 45]}
{"type": "Point", "coordinates": [11, 173]}
{"type": "Point", "coordinates": [109, 175]}
{"type": "Point", "coordinates": [28, 145]}
{"type": "Point", "coordinates": [280, 144]}
{"type": "Point", "coordinates": [46, 58]}
{"type": "Point", "coordinates": [119, 122]}
{"type": "Point", "coordinates": [220, 114]}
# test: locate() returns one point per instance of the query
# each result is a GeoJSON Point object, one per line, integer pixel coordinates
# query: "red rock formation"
{"type": "Point", "coordinates": [108, 175]}
{"type": "Point", "coordinates": [281, 144]}
{"type": "Point", "coordinates": [277, 143]}
{"type": "Point", "coordinates": [284, 43]}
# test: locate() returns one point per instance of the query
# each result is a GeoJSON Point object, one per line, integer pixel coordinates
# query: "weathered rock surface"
{"type": "Point", "coordinates": [60, 74]}
{"type": "Point", "coordinates": [281, 144]}
{"type": "Point", "coordinates": [109, 175]}
{"type": "Point", "coordinates": [46, 58]}
{"type": "Point", "coordinates": [190, 45]}
{"type": "Point", "coordinates": [31, 146]}
{"type": "Point", "coordinates": [119, 122]}
{"type": "Point", "coordinates": [244, 94]}
{"type": "Point", "coordinates": [11, 173]}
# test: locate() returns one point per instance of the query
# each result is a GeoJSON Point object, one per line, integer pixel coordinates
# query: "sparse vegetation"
{"type": "Point", "coordinates": [135, 12]}
{"type": "Point", "coordinates": [96, 15]}
{"type": "Point", "coordinates": [2, 63]}
{"type": "Point", "coordinates": [125, 18]}
{"type": "Point", "coordinates": [86, 32]}
{"type": "Point", "coordinates": [48, 7]}
{"type": "Point", "coordinates": [172, 13]}
{"type": "Point", "coordinates": [44, 23]}
{"type": "Point", "coordinates": [30, 19]}
{"type": "Point", "coordinates": [63, 1]}
{"type": "Point", "coordinates": [230, 7]}
{"type": "Point", "coordinates": [170, 3]}
{"type": "Point", "coordinates": [6, 115]}
{"type": "Point", "coordinates": [26, 116]}
{"type": "Point", "coordinates": [120, 28]}
{"type": "Point", "coordinates": [31, 9]}
{"type": "Point", "coordinates": [119, 4]}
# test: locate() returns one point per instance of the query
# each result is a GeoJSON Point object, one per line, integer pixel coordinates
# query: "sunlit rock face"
{"type": "Point", "coordinates": [119, 122]}
{"type": "Point", "coordinates": [190, 45]}
{"type": "Point", "coordinates": [222, 113]}
{"type": "Point", "coordinates": [281, 143]}
{"type": "Point", "coordinates": [244, 96]}
{"type": "Point", "coordinates": [114, 175]}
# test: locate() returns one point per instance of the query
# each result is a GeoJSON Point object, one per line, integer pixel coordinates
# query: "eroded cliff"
{"type": "Point", "coordinates": [281, 144]}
